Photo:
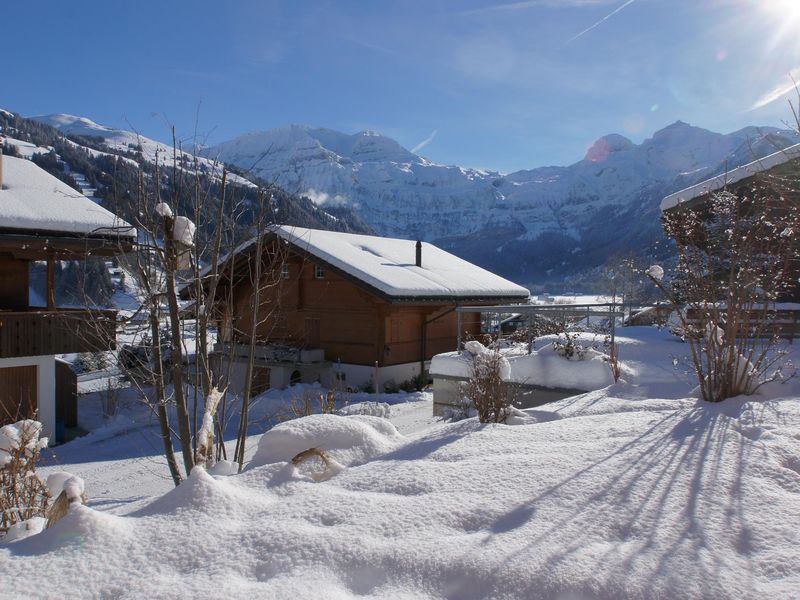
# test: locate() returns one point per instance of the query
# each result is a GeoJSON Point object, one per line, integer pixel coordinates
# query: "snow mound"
{"type": "Point", "coordinates": [348, 440]}
{"type": "Point", "coordinates": [25, 529]}
{"type": "Point", "coordinates": [83, 529]}
{"type": "Point", "coordinates": [547, 368]}
{"type": "Point", "coordinates": [463, 364]}
{"type": "Point", "coordinates": [372, 408]}
{"type": "Point", "coordinates": [59, 481]}
{"type": "Point", "coordinates": [544, 367]}
{"type": "Point", "coordinates": [224, 467]}
{"type": "Point", "coordinates": [200, 493]}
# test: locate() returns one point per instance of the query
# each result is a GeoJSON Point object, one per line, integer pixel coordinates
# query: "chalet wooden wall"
{"type": "Point", "coordinates": [339, 316]}
{"type": "Point", "coordinates": [13, 282]}
{"type": "Point", "coordinates": [18, 393]}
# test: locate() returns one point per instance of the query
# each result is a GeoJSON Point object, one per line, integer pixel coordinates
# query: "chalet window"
{"type": "Point", "coordinates": [340, 376]}
{"type": "Point", "coordinates": [319, 272]}
{"type": "Point", "coordinates": [285, 271]}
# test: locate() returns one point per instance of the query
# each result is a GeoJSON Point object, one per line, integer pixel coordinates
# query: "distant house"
{"type": "Point", "coordinates": [346, 309]}
{"type": "Point", "coordinates": [43, 219]}
{"type": "Point", "coordinates": [769, 174]}
{"type": "Point", "coordinates": [776, 175]}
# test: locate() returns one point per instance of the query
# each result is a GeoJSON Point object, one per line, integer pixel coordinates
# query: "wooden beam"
{"type": "Point", "coordinates": [34, 247]}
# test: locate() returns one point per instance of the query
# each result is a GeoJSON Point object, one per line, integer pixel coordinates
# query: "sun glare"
{"type": "Point", "coordinates": [785, 12]}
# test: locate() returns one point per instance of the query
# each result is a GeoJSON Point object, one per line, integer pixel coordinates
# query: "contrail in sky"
{"type": "Point", "coordinates": [604, 19]}
{"type": "Point", "coordinates": [777, 92]}
{"type": "Point", "coordinates": [425, 142]}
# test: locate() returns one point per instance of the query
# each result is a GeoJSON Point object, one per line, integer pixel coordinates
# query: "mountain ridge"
{"type": "Point", "coordinates": [530, 225]}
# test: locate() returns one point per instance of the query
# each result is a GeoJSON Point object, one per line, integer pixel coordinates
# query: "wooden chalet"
{"type": "Point", "coordinates": [345, 309]}
{"type": "Point", "coordinates": [773, 176]}
{"type": "Point", "coordinates": [44, 219]}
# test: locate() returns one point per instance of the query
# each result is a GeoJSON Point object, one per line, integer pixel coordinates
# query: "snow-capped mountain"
{"type": "Point", "coordinates": [529, 225]}
{"type": "Point", "coordinates": [395, 191]}
{"type": "Point", "coordinates": [532, 226]}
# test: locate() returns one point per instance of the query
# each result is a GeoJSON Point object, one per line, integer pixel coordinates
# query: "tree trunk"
{"type": "Point", "coordinates": [176, 359]}
{"type": "Point", "coordinates": [163, 415]}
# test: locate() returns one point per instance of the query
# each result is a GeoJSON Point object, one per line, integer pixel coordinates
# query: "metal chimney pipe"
{"type": "Point", "coordinates": [419, 253]}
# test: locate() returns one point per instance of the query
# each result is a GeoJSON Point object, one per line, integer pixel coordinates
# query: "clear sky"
{"type": "Point", "coordinates": [496, 85]}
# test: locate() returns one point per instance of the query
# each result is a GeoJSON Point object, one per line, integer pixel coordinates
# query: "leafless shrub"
{"type": "Point", "coordinates": [486, 390]}
{"type": "Point", "coordinates": [22, 494]}
{"type": "Point", "coordinates": [570, 346]}
{"type": "Point", "coordinates": [310, 404]}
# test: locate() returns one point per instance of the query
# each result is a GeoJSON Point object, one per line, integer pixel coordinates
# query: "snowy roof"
{"type": "Point", "coordinates": [32, 199]}
{"type": "Point", "coordinates": [388, 264]}
{"type": "Point", "coordinates": [731, 177]}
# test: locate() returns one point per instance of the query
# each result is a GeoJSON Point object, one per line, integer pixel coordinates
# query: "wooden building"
{"type": "Point", "coordinates": [776, 173]}
{"type": "Point", "coordinates": [43, 219]}
{"type": "Point", "coordinates": [773, 181]}
{"type": "Point", "coordinates": [345, 309]}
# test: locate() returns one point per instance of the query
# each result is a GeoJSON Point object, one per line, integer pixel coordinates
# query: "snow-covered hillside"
{"type": "Point", "coordinates": [562, 215]}
{"type": "Point", "coordinates": [127, 141]}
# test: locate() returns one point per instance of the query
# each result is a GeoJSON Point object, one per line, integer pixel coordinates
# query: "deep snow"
{"type": "Point", "coordinates": [624, 492]}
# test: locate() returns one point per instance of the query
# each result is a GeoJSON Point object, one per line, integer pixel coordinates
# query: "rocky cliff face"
{"type": "Point", "coordinates": [531, 225]}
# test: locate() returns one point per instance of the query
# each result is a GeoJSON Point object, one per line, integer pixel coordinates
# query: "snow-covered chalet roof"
{"type": "Point", "coordinates": [388, 265]}
{"type": "Point", "coordinates": [33, 200]}
{"type": "Point", "coordinates": [733, 176]}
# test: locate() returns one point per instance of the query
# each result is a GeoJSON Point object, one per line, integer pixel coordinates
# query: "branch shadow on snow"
{"type": "Point", "coordinates": [668, 494]}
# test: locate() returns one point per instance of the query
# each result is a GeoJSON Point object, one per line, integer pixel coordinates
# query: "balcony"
{"type": "Point", "coordinates": [60, 331]}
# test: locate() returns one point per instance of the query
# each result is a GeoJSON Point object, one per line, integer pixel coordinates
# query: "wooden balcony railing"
{"type": "Point", "coordinates": [781, 322]}
{"type": "Point", "coordinates": [59, 331]}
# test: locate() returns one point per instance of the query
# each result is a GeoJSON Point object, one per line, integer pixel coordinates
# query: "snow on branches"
{"type": "Point", "coordinates": [655, 272]}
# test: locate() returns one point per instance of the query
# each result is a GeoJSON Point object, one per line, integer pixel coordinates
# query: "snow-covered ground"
{"type": "Point", "coordinates": [636, 490]}
{"type": "Point", "coordinates": [26, 149]}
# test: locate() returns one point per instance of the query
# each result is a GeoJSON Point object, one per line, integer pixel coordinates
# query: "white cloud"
{"type": "Point", "coordinates": [319, 198]}
{"type": "Point", "coordinates": [425, 142]}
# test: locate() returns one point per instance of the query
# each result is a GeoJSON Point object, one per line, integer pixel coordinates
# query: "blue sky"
{"type": "Point", "coordinates": [496, 85]}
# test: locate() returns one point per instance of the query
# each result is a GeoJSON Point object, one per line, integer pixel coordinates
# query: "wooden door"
{"type": "Point", "coordinates": [18, 393]}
